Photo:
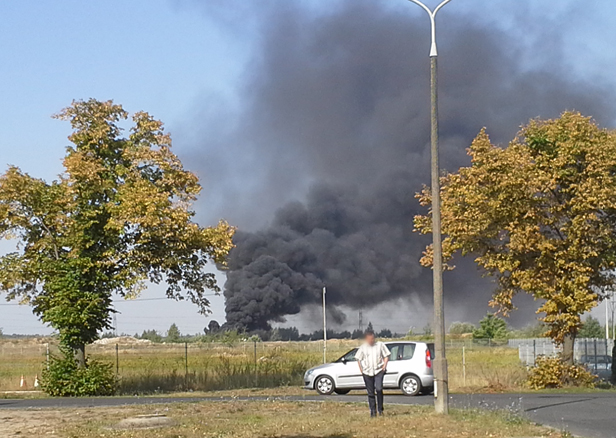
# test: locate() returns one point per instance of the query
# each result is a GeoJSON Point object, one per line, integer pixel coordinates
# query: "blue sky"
{"type": "Point", "coordinates": [152, 54]}
{"type": "Point", "coordinates": [168, 57]}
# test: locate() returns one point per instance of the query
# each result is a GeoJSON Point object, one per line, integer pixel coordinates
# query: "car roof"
{"type": "Point", "coordinates": [403, 342]}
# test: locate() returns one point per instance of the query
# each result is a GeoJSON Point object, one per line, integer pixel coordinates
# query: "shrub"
{"type": "Point", "coordinates": [591, 328]}
{"type": "Point", "coordinates": [530, 331]}
{"type": "Point", "coordinates": [553, 372]}
{"type": "Point", "coordinates": [491, 327]}
{"type": "Point", "coordinates": [151, 335]}
{"type": "Point", "coordinates": [64, 378]}
{"type": "Point", "coordinates": [461, 328]}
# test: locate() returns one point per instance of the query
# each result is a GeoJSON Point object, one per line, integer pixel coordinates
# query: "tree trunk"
{"type": "Point", "coordinates": [568, 346]}
{"type": "Point", "coordinates": [80, 356]}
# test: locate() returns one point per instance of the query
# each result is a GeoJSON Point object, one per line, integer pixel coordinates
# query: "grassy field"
{"type": "Point", "coordinates": [270, 419]}
{"type": "Point", "coordinates": [155, 368]}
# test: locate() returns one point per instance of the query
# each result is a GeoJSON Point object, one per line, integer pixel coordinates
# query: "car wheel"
{"type": "Point", "coordinates": [342, 391]}
{"type": "Point", "coordinates": [410, 385]}
{"type": "Point", "coordinates": [324, 385]}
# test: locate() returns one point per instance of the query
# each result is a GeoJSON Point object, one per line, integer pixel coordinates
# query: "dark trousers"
{"type": "Point", "coordinates": [374, 387]}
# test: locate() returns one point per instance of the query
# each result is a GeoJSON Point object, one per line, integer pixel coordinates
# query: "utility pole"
{"type": "Point", "coordinates": [441, 380]}
{"type": "Point", "coordinates": [324, 329]}
{"type": "Point", "coordinates": [607, 318]}
{"type": "Point", "coordinates": [609, 308]}
{"type": "Point", "coordinates": [613, 307]}
{"type": "Point", "coordinates": [361, 321]}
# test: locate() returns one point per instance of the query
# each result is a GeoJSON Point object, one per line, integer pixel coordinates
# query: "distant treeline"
{"type": "Point", "coordinates": [215, 332]}
{"type": "Point", "coordinates": [490, 327]}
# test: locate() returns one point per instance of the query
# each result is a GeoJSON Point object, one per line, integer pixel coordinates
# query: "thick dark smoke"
{"type": "Point", "coordinates": [338, 102]}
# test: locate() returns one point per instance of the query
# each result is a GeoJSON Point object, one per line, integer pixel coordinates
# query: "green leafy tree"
{"type": "Point", "coordinates": [530, 331]}
{"type": "Point", "coordinates": [289, 333]}
{"type": "Point", "coordinates": [491, 327]}
{"type": "Point", "coordinates": [385, 333]}
{"type": "Point", "coordinates": [591, 328]}
{"type": "Point", "coordinates": [370, 328]}
{"type": "Point", "coordinates": [539, 216]}
{"type": "Point", "coordinates": [357, 334]}
{"type": "Point", "coordinates": [427, 330]}
{"type": "Point", "coordinates": [151, 335]}
{"type": "Point", "coordinates": [461, 328]}
{"type": "Point", "coordinates": [119, 216]}
{"type": "Point", "coordinates": [173, 334]}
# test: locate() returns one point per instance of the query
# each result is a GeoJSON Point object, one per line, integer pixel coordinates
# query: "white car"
{"type": "Point", "coordinates": [409, 368]}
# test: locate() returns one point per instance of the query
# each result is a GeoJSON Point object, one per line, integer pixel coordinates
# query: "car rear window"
{"type": "Point", "coordinates": [409, 350]}
{"type": "Point", "coordinates": [396, 352]}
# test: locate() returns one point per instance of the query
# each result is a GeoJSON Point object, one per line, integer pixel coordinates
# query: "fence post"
{"type": "Point", "coordinates": [186, 365]}
{"type": "Point", "coordinates": [47, 354]}
{"type": "Point", "coordinates": [595, 343]}
{"type": "Point", "coordinates": [464, 365]}
{"type": "Point", "coordinates": [534, 351]}
{"type": "Point", "coordinates": [117, 361]}
{"type": "Point", "coordinates": [256, 373]}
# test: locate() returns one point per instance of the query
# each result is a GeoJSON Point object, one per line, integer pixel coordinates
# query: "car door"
{"type": "Point", "coordinates": [394, 366]}
{"type": "Point", "coordinates": [347, 371]}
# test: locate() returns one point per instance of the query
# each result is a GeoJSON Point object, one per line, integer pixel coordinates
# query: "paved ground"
{"type": "Point", "coordinates": [586, 415]}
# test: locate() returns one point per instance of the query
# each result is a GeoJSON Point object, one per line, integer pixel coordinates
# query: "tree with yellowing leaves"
{"type": "Point", "coordinates": [539, 216]}
{"type": "Point", "coordinates": [118, 217]}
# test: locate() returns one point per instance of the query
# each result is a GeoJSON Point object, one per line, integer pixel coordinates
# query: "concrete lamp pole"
{"type": "Point", "coordinates": [324, 328]}
{"type": "Point", "coordinates": [441, 385]}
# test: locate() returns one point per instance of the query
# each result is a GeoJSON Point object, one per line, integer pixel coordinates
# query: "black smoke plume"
{"type": "Point", "coordinates": [336, 105]}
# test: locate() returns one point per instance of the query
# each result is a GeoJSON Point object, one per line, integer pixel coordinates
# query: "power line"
{"type": "Point", "coordinates": [127, 301]}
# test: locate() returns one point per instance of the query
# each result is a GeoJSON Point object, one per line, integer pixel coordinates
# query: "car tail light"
{"type": "Point", "coordinates": [428, 359]}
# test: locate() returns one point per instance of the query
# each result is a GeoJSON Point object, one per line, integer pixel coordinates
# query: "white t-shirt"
{"type": "Point", "coordinates": [372, 357]}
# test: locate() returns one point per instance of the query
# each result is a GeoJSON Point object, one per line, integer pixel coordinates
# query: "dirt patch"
{"type": "Point", "coordinates": [31, 423]}
{"type": "Point", "coordinates": [154, 421]}
{"type": "Point", "coordinates": [51, 422]}
{"type": "Point", "coordinates": [122, 340]}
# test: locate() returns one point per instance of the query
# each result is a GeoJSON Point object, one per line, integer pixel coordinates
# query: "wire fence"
{"type": "Point", "coordinates": [595, 354]}
{"type": "Point", "coordinates": [144, 367]}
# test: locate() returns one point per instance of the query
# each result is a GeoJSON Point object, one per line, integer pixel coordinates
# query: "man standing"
{"type": "Point", "coordinates": [372, 358]}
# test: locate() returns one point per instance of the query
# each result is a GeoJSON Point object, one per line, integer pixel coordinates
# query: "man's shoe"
{"type": "Point", "coordinates": [372, 414]}
{"type": "Point", "coordinates": [381, 414]}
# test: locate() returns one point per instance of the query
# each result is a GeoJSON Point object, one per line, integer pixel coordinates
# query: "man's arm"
{"type": "Point", "coordinates": [386, 354]}
{"type": "Point", "coordinates": [358, 357]}
{"type": "Point", "coordinates": [385, 362]}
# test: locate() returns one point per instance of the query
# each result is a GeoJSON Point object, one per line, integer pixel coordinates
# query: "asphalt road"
{"type": "Point", "coordinates": [586, 415]}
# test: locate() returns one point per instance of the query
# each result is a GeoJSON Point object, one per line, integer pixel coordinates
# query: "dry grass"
{"type": "Point", "coordinates": [160, 368]}
{"type": "Point", "coordinates": [270, 419]}
{"type": "Point", "coordinates": [20, 358]}
{"type": "Point", "coordinates": [488, 369]}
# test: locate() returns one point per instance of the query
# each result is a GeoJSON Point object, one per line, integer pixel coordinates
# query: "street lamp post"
{"type": "Point", "coordinates": [441, 387]}
{"type": "Point", "coordinates": [324, 328]}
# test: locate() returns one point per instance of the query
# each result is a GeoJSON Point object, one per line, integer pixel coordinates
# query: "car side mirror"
{"type": "Point", "coordinates": [344, 361]}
